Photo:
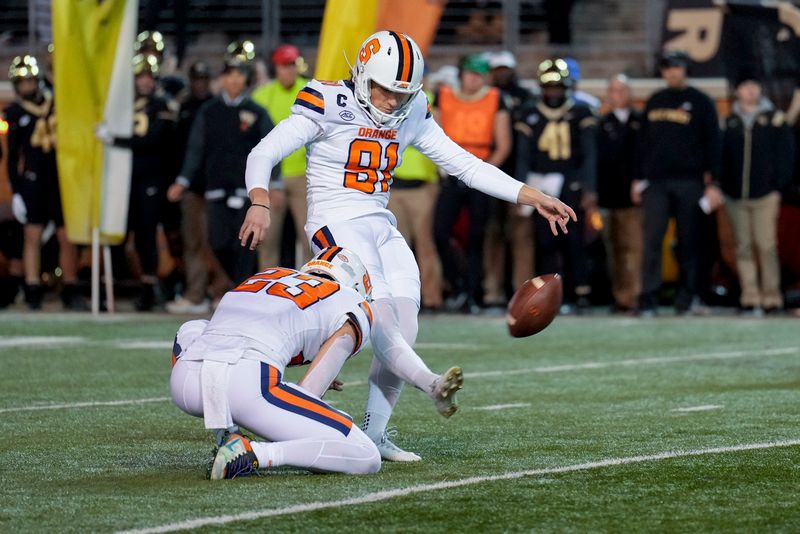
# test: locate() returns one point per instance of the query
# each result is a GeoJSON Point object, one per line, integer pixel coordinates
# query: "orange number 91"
{"type": "Point", "coordinates": [377, 175]}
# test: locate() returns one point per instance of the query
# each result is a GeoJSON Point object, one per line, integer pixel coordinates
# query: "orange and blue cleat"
{"type": "Point", "coordinates": [235, 458]}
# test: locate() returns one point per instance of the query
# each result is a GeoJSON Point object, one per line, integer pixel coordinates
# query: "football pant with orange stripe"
{"type": "Point", "coordinates": [305, 431]}
{"type": "Point", "coordinates": [395, 290]}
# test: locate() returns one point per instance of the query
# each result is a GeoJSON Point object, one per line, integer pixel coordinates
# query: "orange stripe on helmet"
{"type": "Point", "coordinates": [408, 56]}
{"type": "Point", "coordinates": [328, 256]}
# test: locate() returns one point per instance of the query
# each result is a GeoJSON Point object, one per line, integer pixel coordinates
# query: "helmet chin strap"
{"type": "Point", "coordinates": [347, 60]}
{"type": "Point", "coordinates": [554, 101]}
{"type": "Point", "coordinates": [36, 96]}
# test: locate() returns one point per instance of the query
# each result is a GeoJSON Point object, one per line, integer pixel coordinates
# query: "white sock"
{"type": "Point", "coordinates": [384, 391]}
{"type": "Point", "coordinates": [384, 384]}
{"type": "Point", "coordinates": [353, 454]}
{"type": "Point", "coordinates": [268, 454]}
{"type": "Point", "coordinates": [394, 351]}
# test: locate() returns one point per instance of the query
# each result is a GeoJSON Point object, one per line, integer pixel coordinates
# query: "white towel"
{"type": "Point", "coordinates": [550, 184]}
{"type": "Point", "coordinates": [214, 379]}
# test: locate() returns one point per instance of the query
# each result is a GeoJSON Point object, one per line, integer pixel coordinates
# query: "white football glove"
{"type": "Point", "coordinates": [48, 231]}
{"type": "Point", "coordinates": [19, 209]}
{"type": "Point", "coordinates": [102, 132]}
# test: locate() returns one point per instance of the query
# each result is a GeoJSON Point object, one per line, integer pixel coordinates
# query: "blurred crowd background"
{"type": "Point", "coordinates": [687, 189]}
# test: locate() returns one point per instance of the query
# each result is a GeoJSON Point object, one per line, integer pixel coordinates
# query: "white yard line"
{"type": "Point", "coordinates": [449, 346]}
{"type": "Point", "coordinates": [143, 344]}
{"type": "Point", "coordinates": [658, 360]}
{"type": "Point", "coordinates": [133, 344]}
{"type": "Point", "coordinates": [494, 407]}
{"type": "Point", "coordinates": [424, 488]}
{"type": "Point", "coordinates": [49, 341]}
{"type": "Point", "coordinates": [90, 404]}
{"type": "Point", "coordinates": [549, 369]}
{"type": "Point", "coordinates": [39, 341]}
{"type": "Point", "coordinates": [701, 408]}
{"type": "Point", "coordinates": [625, 363]}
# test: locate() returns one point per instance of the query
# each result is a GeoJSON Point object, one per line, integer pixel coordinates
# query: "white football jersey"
{"type": "Point", "coordinates": [351, 161]}
{"type": "Point", "coordinates": [281, 316]}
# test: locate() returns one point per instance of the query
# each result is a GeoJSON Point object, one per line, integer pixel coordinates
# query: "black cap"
{"type": "Point", "coordinates": [235, 63]}
{"type": "Point", "coordinates": [746, 76]}
{"type": "Point", "coordinates": [673, 58]}
{"type": "Point", "coordinates": [199, 69]}
{"type": "Point", "coordinates": [173, 85]}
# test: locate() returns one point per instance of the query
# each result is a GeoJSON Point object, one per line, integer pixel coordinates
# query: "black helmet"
{"type": "Point", "coordinates": [150, 42]}
{"type": "Point", "coordinates": [554, 72]}
{"type": "Point", "coordinates": [145, 63]}
{"type": "Point", "coordinates": [23, 67]}
{"type": "Point", "coordinates": [199, 69]}
{"type": "Point", "coordinates": [244, 51]}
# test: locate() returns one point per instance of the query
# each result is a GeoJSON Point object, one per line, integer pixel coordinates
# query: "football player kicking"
{"type": "Point", "coordinates": [228, 370]}
{"type": "Point", "coordinates": [355, 132]}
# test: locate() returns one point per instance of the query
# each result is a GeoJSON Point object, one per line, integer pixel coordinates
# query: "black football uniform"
{"type": "Point", "coordinates": [32, 157]}
{"type": "Point", "coordinates": [561, 140]}
{"type": "Point", "coordinates": [153, 127]}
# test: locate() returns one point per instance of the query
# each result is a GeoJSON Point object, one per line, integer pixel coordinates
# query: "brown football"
{"type": "Point", "coordinates": [534, 305]}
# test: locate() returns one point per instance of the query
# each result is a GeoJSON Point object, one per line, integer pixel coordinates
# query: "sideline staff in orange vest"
{"type": "Point", "coordinates": [474, 116]}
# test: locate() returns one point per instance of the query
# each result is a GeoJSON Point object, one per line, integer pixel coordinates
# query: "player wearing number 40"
{"type": "Point", "coordinates": [355, 132]}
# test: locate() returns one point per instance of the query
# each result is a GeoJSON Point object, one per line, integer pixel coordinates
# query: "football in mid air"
{"type": "Point", "coordinates": [534, 305]}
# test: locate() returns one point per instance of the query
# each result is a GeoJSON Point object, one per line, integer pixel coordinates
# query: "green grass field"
{"type": "Point", "coordinates": [570, 410]}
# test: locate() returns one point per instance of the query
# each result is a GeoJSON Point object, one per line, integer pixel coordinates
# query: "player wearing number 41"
{"type": "Point", "coordinates": [557, 152]}
{"type": "Point", "coordinates": [355, 132]}
{"type": "Point", "coordinates": [228, 370]}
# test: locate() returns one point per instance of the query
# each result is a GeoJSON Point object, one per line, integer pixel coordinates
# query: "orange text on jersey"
{"type": "Point", "coordinates": [377, 134]}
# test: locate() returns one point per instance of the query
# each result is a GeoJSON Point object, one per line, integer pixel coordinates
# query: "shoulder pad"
{"type": "Point", "coordinates": [423, 107]}
{"type": "Point", "coordinates": [310, 97]}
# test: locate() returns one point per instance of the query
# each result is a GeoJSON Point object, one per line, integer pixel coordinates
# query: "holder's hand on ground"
{"type": "Point", "coordinates": [336, 385]}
